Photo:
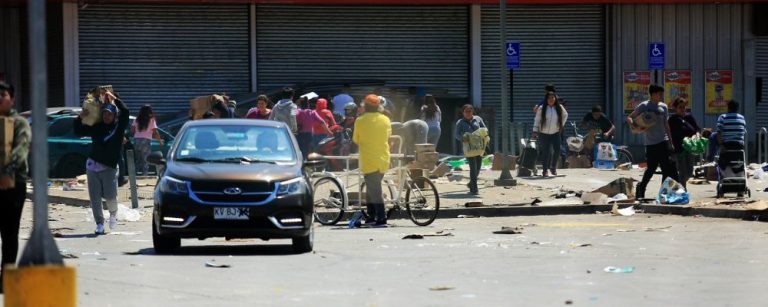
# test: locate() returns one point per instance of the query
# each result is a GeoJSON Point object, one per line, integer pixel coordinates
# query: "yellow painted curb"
{"type": "Point", "coordinates": [40, 286]}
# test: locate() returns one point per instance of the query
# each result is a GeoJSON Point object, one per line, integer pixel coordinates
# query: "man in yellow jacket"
{"type": "Point", "coordinates": [371, 134]}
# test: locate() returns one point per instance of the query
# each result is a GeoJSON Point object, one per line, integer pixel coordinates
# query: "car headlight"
{"type": "Point", "coordinates": [173, 185]}
{"type": "Point", "coordinates": [288, 187]}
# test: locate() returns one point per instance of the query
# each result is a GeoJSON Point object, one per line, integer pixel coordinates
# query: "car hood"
{"type": "Point", "coordinates": [233, 171]}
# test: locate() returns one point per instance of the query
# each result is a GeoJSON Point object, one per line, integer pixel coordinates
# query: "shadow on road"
{"type": "Point", "coordinates": [75, 236]}
{"type": "Point", "coordinates": [222, 250]}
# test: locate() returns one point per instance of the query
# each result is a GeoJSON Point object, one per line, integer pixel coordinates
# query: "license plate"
{"type": "Point", "coordinates": [231, 213]}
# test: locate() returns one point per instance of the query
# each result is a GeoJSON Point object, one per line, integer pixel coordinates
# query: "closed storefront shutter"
{"type": "Point", "coordinates": [164, 55]}
{"type": "Point", "coordinates": [401, 45]}
{"type": "Point", "coordinates": [761, 63]}
{"type": "Point", "coordinates": [564, 45]}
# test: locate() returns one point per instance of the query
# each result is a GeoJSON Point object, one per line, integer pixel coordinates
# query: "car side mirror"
{"type": "Point", "coordinates": [156, 158]}
{"type": "Point", "coordinates": [314, 160]}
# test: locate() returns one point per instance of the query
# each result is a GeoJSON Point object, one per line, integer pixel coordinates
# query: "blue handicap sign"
{"type": "Point", "coordinates": [513, 55]}
{"type": "Point", "coordinates": [656, 56]}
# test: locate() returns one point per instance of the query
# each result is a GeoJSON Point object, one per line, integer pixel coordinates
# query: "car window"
{"type": "Point", "coordinates": [61, 127]}
{"type": "Point", "coordinates": [224, 142]}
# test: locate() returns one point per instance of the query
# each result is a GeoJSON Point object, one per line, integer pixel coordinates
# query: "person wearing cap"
{"type": "Point", "coordinates": [371, 134]}
{"type": "Point", "coordinates": [658, 144]}
{"type": "Point", "coordinates": [101, 166]}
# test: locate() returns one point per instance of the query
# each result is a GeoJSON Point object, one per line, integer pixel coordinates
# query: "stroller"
{"type": "Point", "coordinates": [526, 163]}
{"type": "Point", "coordinates": [731, 173]}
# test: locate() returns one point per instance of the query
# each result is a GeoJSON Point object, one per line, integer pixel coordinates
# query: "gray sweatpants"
{"type": "Point", "coordinates": [102, 184]}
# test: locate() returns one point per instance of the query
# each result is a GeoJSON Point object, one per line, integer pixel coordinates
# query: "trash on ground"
{"type": "Point", "coordinates": [213, 264]}
{"type": "Point", "coordinates": [618, 197]}
{"type": "Point", "coordinates": [69, 256]}
{"type": "Point", "coordinates": [569, 302]}
{"type": "Point", "coordinates": [665, 229]}
{"type": "Point", "coordinates": [594, 198]}
{"type": "Point", "coordinates": [474, 204]}
{"type": "Point", "coordinates": [625, 230]}
{"type": "Point", "coordinates": [698, 181]}
{"type": "Point", "coordinates": [466, 216]}
{"type": "Point", "coordinates": [441, 288]}
{"type": "Point", "coordinates": [126, 214]}
{"type": "Point", "coordinates": [90, 254]}
{"type": "Point", "coordinates": [757, 205]}
{"type": "Point", "coordinates": [73, 185]}
{"type": "Point", "coordinates": [672, 192]}
{"type": "Point", "coordinates": [58, 235]}
{"type": "Point", "coordinates": [132, 253]}
{"type": "Point", "coordinates": [628, 211]}
{"type": "Point", "coordinates": [621, 185]}
{"type": "Point", "coordinates": [509, 230]}
{"type": "Point", "coordinates": [573, 245]}
{"type": "Point", "coordinates": [535, 202]}
{"type": "Point", "coordinates": [413, 236]}
{"type": "Point", "coordinates": [613, 269]}
{"type": "Point", "coordinates": [125, 233]}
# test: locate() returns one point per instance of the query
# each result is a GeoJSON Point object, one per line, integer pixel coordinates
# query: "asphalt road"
{"type": "Point", "coordinates": [678, 261]}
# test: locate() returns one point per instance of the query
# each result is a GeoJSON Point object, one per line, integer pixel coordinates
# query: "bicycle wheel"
{"type": "Point", "coordinates": [329, 200]}
{"type": "Point", "coordinates": [425, 203]}
{"type": "Point", "coordinates": [623, 157]}
{"type": "Point", "coordinates": [388, 193]}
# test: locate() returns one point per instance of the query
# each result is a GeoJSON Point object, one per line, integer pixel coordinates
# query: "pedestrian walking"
{"type": "Point", "coordinates": [467, 124]}
{"type": "Point", "coordinates": [285, 110]}
{"type": "Point", "coordinates": [431, 114]}
{"type": "Point", "coordinates": [101, 167]}
{"type": "Point", "coordinates": [13, 179]}
{"type": "Point", "coordinates": [658, 146]}
{"type": "Point", "coordinates": [371, 134]}
{"type": "Point", "coordinates": [682, 125]}
{"type": "Point", "coordinates": [547, 128]}
{"type": "Point", "coordinates": [144, 129]}
{"type": "Point", "coordinates": [261, 110]}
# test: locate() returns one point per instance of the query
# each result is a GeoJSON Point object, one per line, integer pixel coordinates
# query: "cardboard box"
{"type": "Point", "coordinates": [201, 105]}
{"type": "Point", "coordinates": [497, 164]}
{"type": "Point", "coordinates": [427, 157]}
{"type": "Point", "coordinates": [578, 162]}
{"type": "Point", "coordinates": [621, 185]}
{"type": "Point", "coordinates": [426, 147]}
{"type": "Point", "coordinates": [440, 170]}
{"type": "Point", "coordinates": [6, 141]}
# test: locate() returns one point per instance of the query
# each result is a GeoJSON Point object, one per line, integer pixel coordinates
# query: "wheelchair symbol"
{"type": "Point", "coordinates": [511, 50]}
{"type": "Point", "coordinates": [656, 51]}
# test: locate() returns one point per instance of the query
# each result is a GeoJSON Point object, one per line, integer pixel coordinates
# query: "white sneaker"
{"type": "Point", "coordinates": [112, 222]}
{"type": "Point", "coordinates": [99, 229]}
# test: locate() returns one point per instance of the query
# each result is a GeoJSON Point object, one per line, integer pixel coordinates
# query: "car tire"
{"type": "Point", "coordinates": [304, 244]}
{"type": "Point", "coordinates": [163, 244]}
{"type": "Point", "coordinates": [70, 166]}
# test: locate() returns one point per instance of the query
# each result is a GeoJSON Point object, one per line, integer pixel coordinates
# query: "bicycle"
{"type": "Point", "coordinates": [417, 194]}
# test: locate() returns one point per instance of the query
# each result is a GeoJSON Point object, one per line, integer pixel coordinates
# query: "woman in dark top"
{"type": "Point", "coordinates": [682, 125]}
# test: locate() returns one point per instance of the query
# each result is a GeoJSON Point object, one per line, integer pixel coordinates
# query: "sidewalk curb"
{"type": "Point", "coordinates": [527, 210]}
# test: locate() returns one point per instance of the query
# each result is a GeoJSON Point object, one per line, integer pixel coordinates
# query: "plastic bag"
{"type": "Point", "coordinates": [672, 193]}
{"type": "Point", "coordinates": [695, 145]}
{"type": "Point", "coordinates": [606, 152]}
{"type": "Point", "coordinates": [477, 141]}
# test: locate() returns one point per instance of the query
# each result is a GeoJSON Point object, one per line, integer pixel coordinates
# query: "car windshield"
{"type": "Point", "coordinates": [235, 144]}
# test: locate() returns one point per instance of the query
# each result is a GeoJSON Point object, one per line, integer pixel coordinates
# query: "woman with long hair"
{"type": "Point", "coordinates": [430, 113]}
{"type": "Point", "coordinates": [262, 109]}
{"type": "Point", "coordinates": [144, 129]}
{"type": "Point", "coordinates": [548, 125]}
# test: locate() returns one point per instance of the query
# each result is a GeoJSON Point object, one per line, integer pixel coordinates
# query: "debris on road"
{"type": "Point", "coordinates": [757, 205]}
{"type": "Point", "coordinates": [613, 269]}
{"type": "Point", "coordinates": [90, 254]}
{"type": "Point", "coordinates": [621, 185]}
{"type": "Point", "coordinates": [413, 236]}
{"type": "Point", "coordinates": [441, 233]}
{"type": "Point", "coordinates": [698, 181]}
{"type": "Point", "coordinates": [466, 216]}
{"type": "Point", "coordinates": [213, 264]}
{"type": "Point", "coordinates": [474, 204]}
{"type": "Point", "coordinates": [125, 233]}
{"type": "Point", "coordinates": [69, 256]}
{"type": "Point", "coordinates": [594, 198]}
{"type": "Point", "coordinates": [628, 211]}
{"type": "Point", "coordinates": [441, 288]}
{"type": "Point", "coordinates": [509, 230]}
{"type": "Point", "coordinates": [535, 201]}
{"type": "Point", "coordinates": [132, 253]}
{"type": "Point", "coordinates": [665, 229]}
{"type": "Point", "coordinates": [580, 245]}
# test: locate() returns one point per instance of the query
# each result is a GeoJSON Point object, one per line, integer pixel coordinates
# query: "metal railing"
{"type": "Point", "coordinates": [762, 145]}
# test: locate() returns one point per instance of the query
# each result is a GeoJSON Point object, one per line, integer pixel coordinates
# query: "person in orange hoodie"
{"type": "Point", "coordinates": [322, 109]}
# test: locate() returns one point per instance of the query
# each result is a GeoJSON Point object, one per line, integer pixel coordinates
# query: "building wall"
{"type": "Point", "coordinates": [10, 49]}
{"type": "Point", "coordinates": [697, 37]}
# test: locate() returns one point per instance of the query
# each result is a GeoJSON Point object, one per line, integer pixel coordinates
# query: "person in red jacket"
{"type": "Point", "coordinates": [319, 132]}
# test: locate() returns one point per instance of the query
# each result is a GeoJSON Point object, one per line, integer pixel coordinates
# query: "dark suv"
{"type": "Point", "coordinates": [233, 178]}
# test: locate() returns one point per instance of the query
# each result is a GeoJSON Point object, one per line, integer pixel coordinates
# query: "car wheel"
{"type": "Point", "coordinates": [304, 244]}
{"type": "Point", "coordinates": [70, 166]}
{"type": "Point", "coordinates": [163, 244]}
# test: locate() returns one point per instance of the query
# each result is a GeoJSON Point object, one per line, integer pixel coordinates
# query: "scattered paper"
{"type": "Point", "coordinates": [213, 264]}
{"type": "Point", "coordinates": [441, 288]}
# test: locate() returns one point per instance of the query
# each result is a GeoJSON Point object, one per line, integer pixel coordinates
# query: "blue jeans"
{"type": "Point", "coordinates": [433, 136]}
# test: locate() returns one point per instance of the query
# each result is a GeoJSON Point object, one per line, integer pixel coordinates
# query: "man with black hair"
{"type": "Point", "coordinates": [597, 120]}
{"type": "Point", "coordinates": [285, 110]}
{"type": "Point", "coordinates": [731, 128]}
{"type": "Point", "coordinates": [658, 144]}
{"type": "Point", "coordinates": [13, 178]}
{"type": "Point", "coordinates": [101, 167]}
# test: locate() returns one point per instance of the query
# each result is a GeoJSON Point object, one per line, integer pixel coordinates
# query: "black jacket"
{"type": "Point", "coordinates": [107, 140]}
{"type": "Point", "coordinates": [681, 127]}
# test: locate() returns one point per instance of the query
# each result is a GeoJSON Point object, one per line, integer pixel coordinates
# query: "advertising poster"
{"type": "Point", "coordinates": [719, 90]}
{"type": "Point", "coordinates": [635, 88]}
{"type": "Point", "coordinates": [677, 83]}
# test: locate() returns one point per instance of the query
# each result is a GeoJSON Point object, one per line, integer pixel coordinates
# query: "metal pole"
{"type": "Point", "coordinates": [505, 179]}
{"type": "Point", "coordinates": [41, 248]}
{"type": "Point", "coordinates": [131, 164]}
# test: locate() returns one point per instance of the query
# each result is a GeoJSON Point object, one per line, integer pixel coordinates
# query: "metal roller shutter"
{"type": "Point", "coordinates": [564, 45]}
{"type": "Point", "coordinates": [164, 55]}
{"type": "Point", "coordinates": [761, 63]}
{"type": "Point", "coordinates": [404, 46]}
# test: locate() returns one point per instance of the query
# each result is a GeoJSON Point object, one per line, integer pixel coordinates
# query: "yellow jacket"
{"type": "Point", "coordinates": [372, 131]}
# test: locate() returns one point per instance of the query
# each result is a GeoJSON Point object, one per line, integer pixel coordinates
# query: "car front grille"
{"type": "Point", "coordinates": [232, 192]}
{"type": "Point", "coordinates": [223, 198]}
{"type": "Point", "coordinates": [246, 187]}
